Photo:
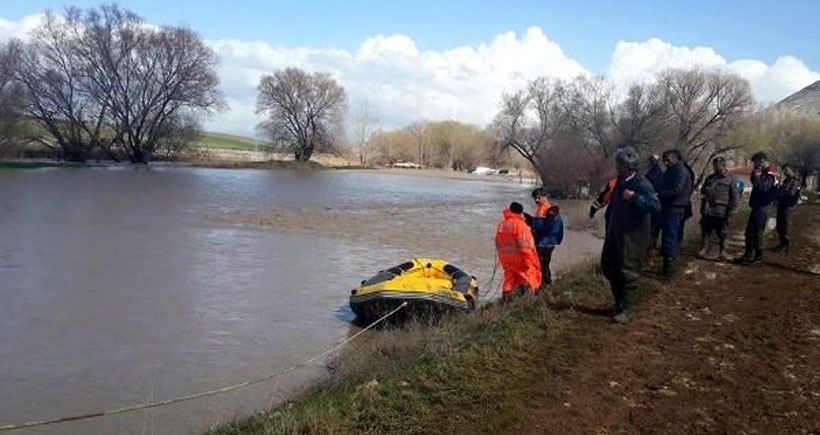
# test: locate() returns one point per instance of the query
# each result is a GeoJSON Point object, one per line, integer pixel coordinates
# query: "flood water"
{"type": "Point", "coordinates": [123, 285]}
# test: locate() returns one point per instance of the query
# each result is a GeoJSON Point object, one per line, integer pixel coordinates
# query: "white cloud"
{"type": "Point", "coordinates": [403, 83]}
{"type": "Point", "coordinates": [639, 61]}
{"type": "Point", "coordinates": [400, 82]}
{"type": "Point", "coordinates": [19, 29]}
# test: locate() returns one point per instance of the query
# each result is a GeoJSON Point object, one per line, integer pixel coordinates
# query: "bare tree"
{"type": "Point", "coordinates": [149, 79]}
{"type": "Point", "coordinates": [587, 106]}
{"type": "Point", "coordinates": [421, 132]}
{"type": "Point", "coordinates": [639, 118]}
{"type": "Point", "coordinates": [11, 95]}
{"type": "Point", "coordinates": [54, 77]}
{"type": "Point", "coordinates": [363, 129]}
{"type": "Point", "coordinates": [305, 111]}
{"type": "Point", "coordinates": [101, 78]}
{"type": "Point", "coordinates": [529, 121]}
{"type": "Point", "coordinates": [703, 109]}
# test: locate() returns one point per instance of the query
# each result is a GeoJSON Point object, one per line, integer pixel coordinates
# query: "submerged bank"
{"type": "Point", "coordinates": [710, 352]}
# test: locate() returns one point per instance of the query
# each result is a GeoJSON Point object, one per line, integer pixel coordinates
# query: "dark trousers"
{"type": "Point", "coordinates": [672, 235]}
{"type": "Point", "coordinates": [655, 230]}
{"type": "Point", "coordinates": [783, 225]}
{"type": "Point", "coordinates": [754, 232]}
{"type": "Point", "coordinates": [714, 224]}
{"type": "Point", "coordinates": [545, 257]}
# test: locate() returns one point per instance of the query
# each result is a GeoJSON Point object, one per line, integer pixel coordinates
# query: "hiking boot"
{"type": "Point", "coordinates": [745, 258]}
{"type": "Point", "coordinates": [723, 257]}
{"type": "Point", "coordinates": [781, 248]}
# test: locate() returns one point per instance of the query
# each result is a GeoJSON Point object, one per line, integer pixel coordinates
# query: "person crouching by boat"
{"type": "Point", "coordinates": [548, 231]}
{"type": "Point", "coordinates": [516, 253]}
{"type": "Point", "coordinates": [627, 232]}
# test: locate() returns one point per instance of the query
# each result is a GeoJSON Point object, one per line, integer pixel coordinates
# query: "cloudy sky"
{"type": "Point", "coordinates": [409, 60]}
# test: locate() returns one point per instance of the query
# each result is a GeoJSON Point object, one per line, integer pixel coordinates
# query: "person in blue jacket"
{"type": "Point", "coordinates": [548, 232]}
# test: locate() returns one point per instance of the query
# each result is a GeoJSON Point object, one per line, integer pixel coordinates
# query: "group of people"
{"type": "Point", "coordinates": [640, 210]}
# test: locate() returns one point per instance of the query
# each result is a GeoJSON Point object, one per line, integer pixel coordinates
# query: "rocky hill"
{"type": "Point", "coordinates": [805, 101]}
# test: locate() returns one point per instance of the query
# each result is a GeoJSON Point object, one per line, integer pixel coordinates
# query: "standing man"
{"type": "Point", "coordinates": [719, 200]}
{"type": "Point", "coordinates": [627, 232]}
{"type": "Point", "coordinates": [787, 198]}
{"type": "Point", "coordinates": [655, 176]}
{"type": "Point", "coordinates": [516, 253]}
{"type": "Point", "coordinates": [764, 193]}
{"type": "Point", "coordinates": [675, 196]}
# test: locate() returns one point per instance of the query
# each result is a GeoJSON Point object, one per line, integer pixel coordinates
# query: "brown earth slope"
{"type": "Point", "coordinates": [723, 350]}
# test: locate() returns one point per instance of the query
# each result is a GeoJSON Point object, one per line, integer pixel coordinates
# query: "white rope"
{"type": "Point", "coordinates": [10, 427]}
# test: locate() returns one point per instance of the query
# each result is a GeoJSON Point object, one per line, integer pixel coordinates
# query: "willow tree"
{"type": "Point", "coordinates": [305, 112]}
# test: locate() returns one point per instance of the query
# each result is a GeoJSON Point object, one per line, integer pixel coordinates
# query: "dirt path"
{"type": "Point", "coordinates": [724, 350]}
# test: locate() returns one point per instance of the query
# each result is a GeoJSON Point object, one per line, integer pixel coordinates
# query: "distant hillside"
{"type": "Point", "coordinates": [227, 141]}
{"type": "Point", "coordinates": [805, 101]}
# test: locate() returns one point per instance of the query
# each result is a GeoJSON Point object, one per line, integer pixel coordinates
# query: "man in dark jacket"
{"type": "Point", "coordinates": [788, 194]}
{"type": "Point", "coordinates": [719, 200]}
{"type": "Point", "coordinates": [548, 232]}
{"type": "Point", "coordinates": [631, 205]}
{"type": "Point", "coordinates": [764, 193]}
{"type": "Point", "coordinates": [655, 176]}
{"type": "Point", "coordinates": [675, 196]}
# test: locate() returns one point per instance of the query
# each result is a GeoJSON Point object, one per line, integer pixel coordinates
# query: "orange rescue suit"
{"type": "Point", "coordinates": [516, 253]}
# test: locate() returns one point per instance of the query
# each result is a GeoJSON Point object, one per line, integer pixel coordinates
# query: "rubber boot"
{"type": "Point", "coordinates": [669, 268]}
{"type": "Point", "coordinates": [617, 295]}
{"type": "Point", "coordinates": [628, 308]}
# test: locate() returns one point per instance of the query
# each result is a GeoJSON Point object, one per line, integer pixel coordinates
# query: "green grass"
{"type": "Point", "coordinates": [476, 373]}
{"type": "Point", "coordinates": [226, 141]}
{"type": "Point", "coordinates": [38, 164]}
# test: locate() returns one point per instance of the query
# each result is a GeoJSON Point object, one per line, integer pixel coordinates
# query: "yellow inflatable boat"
{"type": "Point", "coordinates": [429, 285]}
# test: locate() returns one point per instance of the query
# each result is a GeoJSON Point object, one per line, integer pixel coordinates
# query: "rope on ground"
{"type": "Point", "coordinates": [30, 424]}
{"type": "Point", "coordinates": [491, 291]}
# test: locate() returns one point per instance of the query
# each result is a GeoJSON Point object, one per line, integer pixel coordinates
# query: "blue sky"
{"type": "Point", "coordinates": [587, 30]}
{"type": "Point", "coordinates": [454, 59]}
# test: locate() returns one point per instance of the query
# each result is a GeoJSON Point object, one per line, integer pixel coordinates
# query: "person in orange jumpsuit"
{"type": "Point", "coordinates": [517, 254]}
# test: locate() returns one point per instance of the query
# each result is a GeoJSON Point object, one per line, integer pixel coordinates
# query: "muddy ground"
{"type": "Point", "coordinates": [723, 350]}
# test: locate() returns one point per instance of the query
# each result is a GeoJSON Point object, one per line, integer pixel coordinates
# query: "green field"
{"type": "Point", "coordinates": [226, 141]}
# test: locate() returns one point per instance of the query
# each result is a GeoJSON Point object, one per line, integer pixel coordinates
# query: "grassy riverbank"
{"type": "Point", "coordinates": [470, 374]}
{"type": "Point", "coordinates": [556, 364]}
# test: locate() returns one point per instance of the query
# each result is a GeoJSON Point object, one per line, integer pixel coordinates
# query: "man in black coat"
{"type": "Point", "coordinates": [655, 176]}
{"type": "Point", "coordinates": [675, 196]}
{"type": "Point", "coordinates": [788, 194]}
{"type": "Point", "coordinates": [764, 193]}
{"type": "Point", "coordinates": [631, 205]}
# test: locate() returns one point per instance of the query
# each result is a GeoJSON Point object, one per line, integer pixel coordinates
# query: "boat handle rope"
{"type": "Point", "coordinates": [166, 402]}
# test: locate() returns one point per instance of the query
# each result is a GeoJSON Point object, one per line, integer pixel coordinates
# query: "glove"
{"type": "Point", "coordinates": [592, 211]}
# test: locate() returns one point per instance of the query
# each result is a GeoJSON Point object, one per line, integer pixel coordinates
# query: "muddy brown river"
{"type": "Point", "coordinates": [121, 285]}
